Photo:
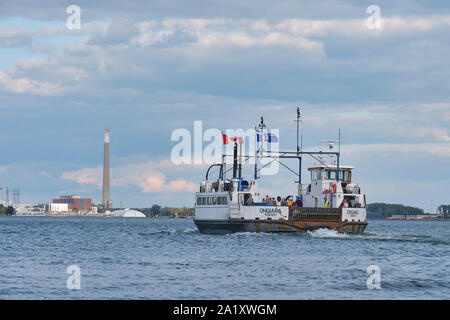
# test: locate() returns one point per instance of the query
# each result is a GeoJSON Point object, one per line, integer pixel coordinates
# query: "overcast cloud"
{"type": "Point", "coordinates": [143, 69]}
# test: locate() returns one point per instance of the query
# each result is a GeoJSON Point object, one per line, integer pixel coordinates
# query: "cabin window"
{"type": "Point", "coordinates": [209, 201]}
{"type": "Point", "coordinates": [347, 176]}
{"type": "Point", "coordinates": [220, 201]}
{"type": "Point", "coordinates": [225, 200]}
{"type": "Point", "coordinates": [199, 201]}
{"type": "Point", "coordinates": [315, 174]}
{"type": "Point", "coordinates": [333, 175]}
{"type": "Point", "coordinates": [203, 201]}
{"type": "Point", "coordinates": [329, 174]}
{"type": "Point", "coordinates": [214, 201]}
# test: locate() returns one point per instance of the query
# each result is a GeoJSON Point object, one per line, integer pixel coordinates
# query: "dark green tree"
{"type": "Point", "coordinates": [156, 210]}
{"type": "Point", "coordinates": [10, 211]}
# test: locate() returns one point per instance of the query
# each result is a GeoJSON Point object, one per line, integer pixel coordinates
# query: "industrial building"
{"type": "Point", "coordinates": [59, 207]}
{"type": "Point", "coordinates": [75, 202]}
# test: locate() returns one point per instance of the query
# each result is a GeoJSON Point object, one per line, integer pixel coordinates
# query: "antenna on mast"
{"type": "Point", "coordinates": [298, 120]}
{"type": "Point", "coordinates": [259, 133]}
{"type": "Point", "coordinates": [331, 143]}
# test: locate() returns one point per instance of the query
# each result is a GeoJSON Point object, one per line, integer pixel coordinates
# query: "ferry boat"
{"type": "Point", "coordinates": [331, 200]}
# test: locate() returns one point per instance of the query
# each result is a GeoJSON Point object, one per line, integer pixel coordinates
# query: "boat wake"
{"type": "Point", "coordinates": [401, 237]}
{"type": "Point", "coordinates": [326, 233]}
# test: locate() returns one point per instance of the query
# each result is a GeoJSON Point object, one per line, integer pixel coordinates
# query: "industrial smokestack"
{"type": "Point", "coordinates": [106, 199]}
{"type": "Point", "coordinates": [1, 195]}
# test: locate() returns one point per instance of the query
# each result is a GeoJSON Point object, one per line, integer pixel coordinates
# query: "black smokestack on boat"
{"type": "Point", "coordinates": [235, 161]}
{"type": "Point", "coordinates": [240, 161]}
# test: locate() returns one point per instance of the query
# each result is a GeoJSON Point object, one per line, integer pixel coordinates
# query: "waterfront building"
{"type": "Point", "coordinates": [75, 202]}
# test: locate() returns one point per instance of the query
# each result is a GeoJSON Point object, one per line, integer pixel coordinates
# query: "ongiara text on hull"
{"type": "Point", "coordinates": [331, 200]}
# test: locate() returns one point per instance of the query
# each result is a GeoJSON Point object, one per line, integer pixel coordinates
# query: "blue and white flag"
{"type": "Point", "coordinates": [268, 137]}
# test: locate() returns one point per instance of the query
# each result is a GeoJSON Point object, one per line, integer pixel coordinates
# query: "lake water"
{"type": "Point", "coordinates": [122, 258]}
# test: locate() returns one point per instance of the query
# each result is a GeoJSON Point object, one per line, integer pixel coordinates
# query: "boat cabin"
{"type": "Point", "coordinates": [325, 186]}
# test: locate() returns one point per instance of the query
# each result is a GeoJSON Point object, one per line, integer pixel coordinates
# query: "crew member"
{"type": "Point", "coordinates": [326, 204]}
{"type": "Point", "coordinates": [249, 201]}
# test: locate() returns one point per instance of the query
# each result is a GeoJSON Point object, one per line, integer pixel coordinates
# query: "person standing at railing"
{"type": "Point", "coordinates": [298, 202]}
{"type": "Point", "coordinates": [326, 204]}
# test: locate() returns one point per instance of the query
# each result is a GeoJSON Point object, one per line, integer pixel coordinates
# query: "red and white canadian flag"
{"type": "Point", "coordinates": [227, 140]}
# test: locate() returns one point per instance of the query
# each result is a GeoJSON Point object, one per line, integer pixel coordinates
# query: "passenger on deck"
{"type": "Point", "coordinates": [298, 202]}
{"type": "Point", "coordinates": [349, 204]}
{"type": "Point", "coordinates": [357, 204]}
{"type": "Point", "coordinates": [283, 202]}
{"type": "Point", "coordinates": [249, 201]}
{"type": "Point", "coordinates": [326, 204]}
{"type": "Point", "coordinates": [289, 202]}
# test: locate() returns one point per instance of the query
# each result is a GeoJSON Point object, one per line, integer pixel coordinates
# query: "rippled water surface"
{"type": "Point", "coordinates": [123, 258]}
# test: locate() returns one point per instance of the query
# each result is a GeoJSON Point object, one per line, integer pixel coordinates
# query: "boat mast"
{"type": "Point", "coordinates": [338, 155]}
{"type": "Point", "coordinates": [259, 130]}
{"type": "Point", "coordinates": [298, 153]}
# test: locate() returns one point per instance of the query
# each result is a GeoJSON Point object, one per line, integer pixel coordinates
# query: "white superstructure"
{"type": "Point", "coordinates": [228, 199]}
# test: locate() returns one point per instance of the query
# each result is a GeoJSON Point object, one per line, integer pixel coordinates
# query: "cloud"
{"type": "Point", "coordinates": [184, 54]}
{"type": "Point", "coordinates": [148, 176]}
{"type": "Point", "coordinates": [155, 182]}
{"type": "Point", "coordinates": [27, 85]}
{"type": "Point", "coordinates": [400, 151]}
{"type": "Point", "coordinates": [13, 37]}
{"type": "Point", "coordinates": [143, 69]}
{"type": "Point", "coordinates": [119, 31]}
{"type": "Point", "coordinates": [440, 134]}
{"type": "Point", "coordinates": [85, 176]}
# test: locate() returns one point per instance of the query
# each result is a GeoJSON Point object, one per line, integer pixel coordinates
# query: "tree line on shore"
{"type": "Point", "coordinates": [388, 209]}
{"type": "Point", "coordinates": [158, 211]}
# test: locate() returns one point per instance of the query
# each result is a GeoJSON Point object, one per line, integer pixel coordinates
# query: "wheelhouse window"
{"type": "Point", "coordinates": [214, 201]}
{"type": "Point", "coordinates": [224, 200]}
{"type": "Point", "coordinates": [347, 176]}
{"type": "Point", "coordinates": [203, 201]}
{"type": "Point", "coordinates": [315, 174]}
{"type": "Point", "coordinates": [209, 201]}
{"type": "Point", "coordinates": [220, 201]}
{"type": "Point", "coordinates": [199, 201]}
{"type": "Point", "coordinates": [329, 174]}
{"type": "Point", "coordinates": [333, 175]}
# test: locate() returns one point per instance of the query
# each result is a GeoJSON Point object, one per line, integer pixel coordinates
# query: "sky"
{"type": "Point", "coordinates": [145, 68]}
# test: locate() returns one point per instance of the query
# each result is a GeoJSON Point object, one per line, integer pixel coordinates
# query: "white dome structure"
{"type": "Point", "coordinates": [127, 213]}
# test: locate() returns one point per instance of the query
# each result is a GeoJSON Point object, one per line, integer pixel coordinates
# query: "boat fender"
{"type": "Point", "coordinates": [334, 187]}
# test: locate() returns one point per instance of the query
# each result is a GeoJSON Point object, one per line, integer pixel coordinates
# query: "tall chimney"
{"type": "Point", "coordinates": [1, 195]}
{"type": "Point", "coordinates": [106, 200]}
